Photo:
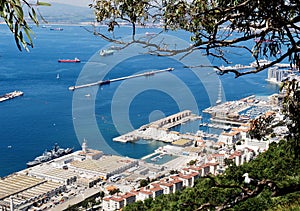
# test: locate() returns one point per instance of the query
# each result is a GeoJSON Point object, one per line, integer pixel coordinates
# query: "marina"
{"type": "Point", "coordinates": [100, 83]}
{"type": "Point", "coordinates": [217, 126]}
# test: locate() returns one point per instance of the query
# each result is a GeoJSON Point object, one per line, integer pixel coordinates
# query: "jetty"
{"type": "Point", "coordinates": [104, 82]}
{"type": "Point", "coordinates": [159, 130]}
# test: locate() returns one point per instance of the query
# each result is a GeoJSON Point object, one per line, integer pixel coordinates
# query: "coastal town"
{"type": "Point", "coordinates": [70, 179]}
{"type": "Point", "coordinates": [149, 105]}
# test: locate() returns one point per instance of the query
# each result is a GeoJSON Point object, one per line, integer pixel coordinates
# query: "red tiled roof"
{"type": "Point", "coordinates": [194, 174]}
{"type": "Point", "coordinates": [187, 176]}
{"type": "Point", "coordinates": [212, 164]}
{"type": "Point", "coordinates": [155, 189]}
{"type": "Point", "coordinates": [177, 181]}
{"type": "Point", "coordinates": [117, 199]}
{"type": "Point", "coordinates": [146, 192]}
{"type": "Point", "coordinates": [168, 184]}
{"type": "Point", "coordinates": [196, 168]}
{"type": "Point", "coordinates": [128, 194]}
{"type": "Point", "coordinates": [106, 198]}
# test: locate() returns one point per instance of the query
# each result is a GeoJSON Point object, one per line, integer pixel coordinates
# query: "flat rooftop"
{"type": "Point", "coordinates": [24, 189]}
{"type": "Point", "coordinates": [105, 164]}
{"type": "Point", "coordinates": [47, 170]}
{"type": "Point", "coordinates": [16, 183]}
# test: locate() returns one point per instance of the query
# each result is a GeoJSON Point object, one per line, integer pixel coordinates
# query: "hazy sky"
{"type": "Point", "coordinates": [81, 3]}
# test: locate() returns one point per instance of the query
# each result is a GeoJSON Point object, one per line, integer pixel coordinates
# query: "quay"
{"type": "Point", "coordinates": [159, 130]}
{"type": "Point", "coordinates": [253, 65]}
{"type": "Point", "coordinates": [100, 83]}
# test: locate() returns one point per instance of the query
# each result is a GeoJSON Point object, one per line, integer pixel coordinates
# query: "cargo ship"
{"type": "Point", "coordinates": [48, 155]}
{"type": "Point", "coordinates": [11, 95]}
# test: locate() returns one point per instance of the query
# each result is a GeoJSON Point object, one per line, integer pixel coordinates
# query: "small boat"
{"type": "Point", "coordinates": [75, 60]}
{"type": "Point", "coordinates": [57, 76]}
{"type": "Point", "coordinates": [150, 34]}
{"type": "Point", "coordinates": [56, 29]}
{"type": "Point", "coordinates": [106, 52]}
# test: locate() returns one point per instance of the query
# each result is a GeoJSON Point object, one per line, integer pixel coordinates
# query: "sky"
{"type": "Point", "coordinates": [80, 3]}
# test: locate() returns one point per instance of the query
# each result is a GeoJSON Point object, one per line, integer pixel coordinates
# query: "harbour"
{"type": "Point", "coordinates": [58, 182]}
{"type": "Point", "coordinates": [46, 104]}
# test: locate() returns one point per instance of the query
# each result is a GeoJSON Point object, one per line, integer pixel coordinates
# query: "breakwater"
{"type": "Point", "coordinates": [100, 83]}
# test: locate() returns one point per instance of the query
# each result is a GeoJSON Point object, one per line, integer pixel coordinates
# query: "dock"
{"type": "Point", "coordinates": [159, 130]}
{"type": "Point", "coordinates": [104, 82]}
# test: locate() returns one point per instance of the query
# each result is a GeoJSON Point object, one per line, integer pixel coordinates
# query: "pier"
{"type": "Point", "coordinates": [159, 130]}
{"type": "Point", "coordinates": [100, 83]}
{"type": "Point", "coordinates": [173, 120]}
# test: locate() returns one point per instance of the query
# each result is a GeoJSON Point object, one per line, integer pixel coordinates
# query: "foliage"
{"type": "Point", "coordinates": [261, 126]}
{"type": "Point", "coordinates": [173, 171]}
{"type": "Point", "coordinates": [192, 162]}
{"type": "Point", "coordinates": [12, 12]}
{"type": "Point", "coordinates": [101, 194]}
{"type": "Point", "coordinates": [113, 191]}
{"type": "Point", "coordinates": [291, 109]}
{"type": "Point", "coordinates": [272, 24]}
{"type": "Point", "coordinates": [144, 182]}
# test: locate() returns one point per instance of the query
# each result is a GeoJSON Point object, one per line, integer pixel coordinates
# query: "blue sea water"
{"type": "Point", "coordinates": [45, 115]}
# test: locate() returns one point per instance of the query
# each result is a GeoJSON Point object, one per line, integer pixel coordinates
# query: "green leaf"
{"type": "Point", "coordinates": [19, 12]}
{"type": "Point", "coordinates": [28, 31]}
{"type": "Point", "coordinates": [43, 3]}
{"type": "Point", "coordinates": [34, 16]}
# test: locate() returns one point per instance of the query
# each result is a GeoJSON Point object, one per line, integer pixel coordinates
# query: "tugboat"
{"type": "Point", "coordinates": [56, 152]}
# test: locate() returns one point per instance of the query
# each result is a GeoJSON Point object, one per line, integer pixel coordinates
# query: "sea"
{"type": "Point", "coordinates": [50, 113]}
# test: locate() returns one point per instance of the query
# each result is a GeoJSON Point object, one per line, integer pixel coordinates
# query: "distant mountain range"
{"type": "Point", "coordinates": [67, 14]}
